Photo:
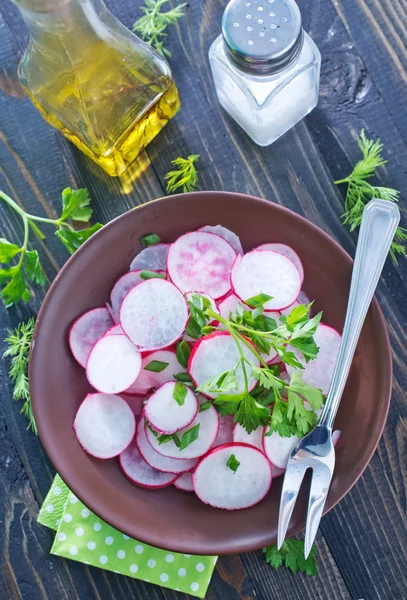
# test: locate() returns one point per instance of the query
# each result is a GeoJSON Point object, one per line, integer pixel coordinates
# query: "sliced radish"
{"type": "Point", "coordinates": [184, 483]}
{"type": "Point", "coordinates": [318, 372]}
{"type": "Point", "coordinates": [121, 288]}
{"type": "Point", "coordinates": [288, 252]}
{"type": "Point", "coordinates": [165, 414]}
{"type": "Point", "coordinates": [104, 425]}
{"type": "Point", "coordinates": [208, 422]}
{"type": "Point", "coordinates": [113, 364]}
{"type": "Point", "coordinates": [216, 353]}
{"type": "Point", "coordinates": [218, 485]}
{"type": "Point", "coordinates": [303, 298]}
{"type": "Point", "coordinates": [255, 438]}
{"type": "Point", "coordinates": [225, 433]}
{"type": "Point", "coordinates": [110, 311]}
{"type": "Point", "coordinates": [149, 380]}
{"type": "Point", "coordinates": [154, 314]}
{"type": "Point", "coordinates": [86, 331]}
{"type": "Point", "coordinates": [189, 297]}
{"type": "Point", "coordinates": [267, 272]}
{"type": "Point", "coordinates": [153, 258]}
{"type": "Point", "coordinates": [201, 261]}
{"type": "Point", "coordinates": [226, 234]}
{"type": "Point", "coordinates": [139, 472]}
{"type": "Point", "coordinates": [115, 330]}
{"type": "Point", "coordinates": [278, 448]}
{"type": "Point", "coordinates": [276, 471]}
{"type": "Point", "coordinates": [335, 436]}
{"type": "Point", "coordinates": [158, 461]}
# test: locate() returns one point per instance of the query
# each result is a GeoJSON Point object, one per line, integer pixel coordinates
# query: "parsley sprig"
{"type": "Point", "coordinates": [291, 555]}
{"type": "Point", "coordinates": [260, 333]}
{"type": "Point", "coordinates": [18, 344]}
{"type": "Point", "coordinates": [185, 177]}
{"type": "Point", "coordinates": [360, 191]}
{"type": "Point", "coordinates": [27, 268]}
{"type": "Point", "coordinates": [153, 24]}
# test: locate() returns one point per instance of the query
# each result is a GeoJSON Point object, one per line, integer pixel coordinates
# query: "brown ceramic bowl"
{"type": "Point", "coordinates": [170, 518]}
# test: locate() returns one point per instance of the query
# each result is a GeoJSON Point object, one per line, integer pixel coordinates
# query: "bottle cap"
{"type": "Point", "coordinates": [262, 36]}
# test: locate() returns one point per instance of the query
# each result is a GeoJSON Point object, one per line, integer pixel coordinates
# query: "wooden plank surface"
{"type": "Point", "coordinates": [362, 542]}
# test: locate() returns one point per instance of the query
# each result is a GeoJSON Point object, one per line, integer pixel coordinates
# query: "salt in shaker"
{"type": "Point", "coordinates": [265, 67]}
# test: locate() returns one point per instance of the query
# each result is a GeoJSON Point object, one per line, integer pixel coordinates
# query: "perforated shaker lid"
{"type": "Point", "coordinates": [262, 36]}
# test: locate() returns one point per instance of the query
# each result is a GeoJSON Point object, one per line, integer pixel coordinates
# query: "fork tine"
{"type": "Point", "coordinates": [321, 480]}
{"type": "Point", "coordinates": [293, 477]}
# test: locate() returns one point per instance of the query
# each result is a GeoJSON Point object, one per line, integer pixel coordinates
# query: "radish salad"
{"type": "Point", "coordinates": [208, 367]}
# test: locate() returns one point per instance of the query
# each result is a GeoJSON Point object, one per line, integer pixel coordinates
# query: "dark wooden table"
{"type": "Point", "coordinates": [362, 542]}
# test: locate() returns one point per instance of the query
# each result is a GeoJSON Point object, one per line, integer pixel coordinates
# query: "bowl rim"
{"type": "Point", "coordinates": [175, 546]}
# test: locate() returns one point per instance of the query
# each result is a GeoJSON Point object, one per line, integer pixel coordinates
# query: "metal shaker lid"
{"type": "Point", "coordinates": [262, 36]}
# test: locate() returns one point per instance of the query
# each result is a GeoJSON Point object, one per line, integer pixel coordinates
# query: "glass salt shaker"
{"type": "Point", "coordinates": [265, 67]}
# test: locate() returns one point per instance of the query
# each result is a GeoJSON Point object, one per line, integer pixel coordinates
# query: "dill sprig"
{"type": "Point", "coordinates": [18, 347]}
{"type": "Point", "coordinates": [360, 191]}
{"type": "Point", "coordinates": [185, 177]}
{"type": "Point", "coordinates": [153, 24]}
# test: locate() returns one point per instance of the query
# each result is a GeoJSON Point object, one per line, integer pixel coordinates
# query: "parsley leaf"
{"type": "Point", "coordinates": [233, 463]}
{"type": "Point", "coordinates": [205, 406]}
{"type": "Point", "coordinates": [33, 268]}
{"type": "Point", "coordinates": [156, 366]}
{"type": "Point", "coordinates": [72, 240]}
{"type": "Point", "coordinates": [291, 555]}
{"type": "Point", "coordinates": [179, 393]}
{"type": "Point", "coordinates": [246, 410]}
{"type": "Point", "coordinates": [76, 205]}
{"type": "Point", "coordinates": [258, 300]}
{"type": "Point", "coordinates": [8, 250]}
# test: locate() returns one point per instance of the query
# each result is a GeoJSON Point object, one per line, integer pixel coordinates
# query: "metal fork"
{"type": "Point", "coordinates": [315, 451]}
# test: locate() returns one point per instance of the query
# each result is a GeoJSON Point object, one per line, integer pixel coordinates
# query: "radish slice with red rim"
{"type": "Point", "coordinates": [121, 288]}
{"type": "Point", "coordinates": [86, 331]}
{"type": "Point", "coordinates": [110, 311]}
{"type": "Point", "coordinates": [167, 365]}
{"type": "Point", "coordinates": [276, 471]}
{"type": "Point", "coordinates": [255, 438]}
{"type": "Point", "coordinates": [225, 433]}
{"type": "Point", "coordinates": [184, 483]}
{"type": "Point", "coordinates": [216, 353]}
{"type": "Point", "coordinates": [153, 258]}
{"type": "Point", "coordinates": [226, 234]}
{"type": "Point", "coordinates": [288, 252]}
{"type": "Point", "coordinates": [201, 261]}
{"type": "Point", "coordinates": [154, 314]}
{"type": "Point", "coordinates": [278, 448]}
{"type": "Point", "coordinates": [158, 461]}
{"type": "Point", "coordinates": [104, 425]}
{"type": "Point", "coordinates": [208, 422]}
{"type": "Point", "coordinates": [172, 407]}
{"type": "Point", "coordinates": [139, 472]}
{"type": "Point", "coordinates": [115, 330]}
{"type": "Point", "coordinates": [266, 272]}
{"type": "Point", "coordinates": [218, 485]}
{"type": "Point", "coordinates": [319, 372]}
{"type": "Point", "coordinates": [228, 306]}
{"type": "Point", "coordinates": [113, 364]}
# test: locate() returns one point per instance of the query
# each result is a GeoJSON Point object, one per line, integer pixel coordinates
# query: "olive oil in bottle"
{"type": "Point", "coordinates": [91, 78]}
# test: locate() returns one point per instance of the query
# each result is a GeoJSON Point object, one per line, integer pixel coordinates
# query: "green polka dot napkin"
{"type": "Point", "coordinates": [82, 536]}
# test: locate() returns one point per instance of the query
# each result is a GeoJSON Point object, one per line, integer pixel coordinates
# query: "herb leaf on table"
{"type": "Point", "coordinates": [360, 191]}
{"type": "Point", "coordinates": [15, 278]}
{"type": "Point", "coordinates": [185, 177]}
{"type": "Point", "coordinates": [291, 555]}
{"type": "Point", "coordinates": [18, 344]}
{"type": "Point", "coordinates": [153, 24]}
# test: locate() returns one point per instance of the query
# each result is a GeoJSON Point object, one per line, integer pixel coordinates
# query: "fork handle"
{"type": "Point", "coordinates": [379, 223]}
